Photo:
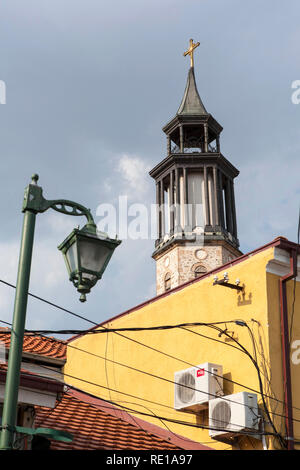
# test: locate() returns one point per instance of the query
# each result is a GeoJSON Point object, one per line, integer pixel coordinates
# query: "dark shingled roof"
{"type": "Point", "coordinates": [191, 102]}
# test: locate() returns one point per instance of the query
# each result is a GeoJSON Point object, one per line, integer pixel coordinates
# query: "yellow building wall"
{"type": "Point", "coordinates": [130, 369]}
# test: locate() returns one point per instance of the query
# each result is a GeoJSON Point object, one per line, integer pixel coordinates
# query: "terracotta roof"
{"type": "Point", "coordinates": [44, 346]}
{"type": "Point", "coordinates": [96, 424]}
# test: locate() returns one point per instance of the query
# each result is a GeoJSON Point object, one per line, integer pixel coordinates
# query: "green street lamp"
{"type": "Point", "coordinates": [86, 254]}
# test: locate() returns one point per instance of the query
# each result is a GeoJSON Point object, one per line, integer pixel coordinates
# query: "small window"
{"type": "Point", "coordinates": [199, 270]}
{"type": "Point", "coordinates": [167, 281]}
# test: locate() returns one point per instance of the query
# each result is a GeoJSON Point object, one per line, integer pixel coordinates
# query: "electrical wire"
{"type": "Point", "coordinates": [124, 393]}
{"type": "Point", "coordinates": [169, 327]}
{"type": "Point", "coordinates": [168, 355]}
{"type": "Point", "coordinates": [264, 364]}
{"type": "Point", "coordinates": [126, 337]}
{"type": "Point", "coordinates": [238, 348]}
{"type": "Point", "coordinates": [147, 373]}
{"type": "Point", "coordinates": [278, 435]}
{"type": "Point", "coordinates": [294, 288]}
{"type": "Point", "coordinates": [254, 433]}
{"type": "Point", "coordinates": [253, 360]}
{"type": "Point", "coordinates": [118, 391]}
{"type": "Point", "coordinates": [138, 397]}
{"type": "Point", "coordinates": [94, 323]}
{"type": "Point", "coordinates": [144, 372]}
{"type": "Point", "coordinates": [145, 328]}
{"type": "Point", "coordinates": [243, 349]}
{"type": "Point", "coordinates": [52, 304]}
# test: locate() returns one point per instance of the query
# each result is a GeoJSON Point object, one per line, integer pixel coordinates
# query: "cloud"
{"type": "Point", "coordinates": [128, 177]}
{"type": "Point", "coordinates": [134, 172]}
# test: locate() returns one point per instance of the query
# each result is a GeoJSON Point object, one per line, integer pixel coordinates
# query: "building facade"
{"type": "Point", "coordinates": [241, 330]}
{"type": "Point", "coordinates": [230, 320]}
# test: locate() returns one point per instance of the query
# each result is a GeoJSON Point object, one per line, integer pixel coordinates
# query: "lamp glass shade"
{"type": "Point", "coordinates": [87, 255]}
{"type": "Point", "coordinates": [93, 254]}
{"type": "Point", "coordinates": [72, 258]}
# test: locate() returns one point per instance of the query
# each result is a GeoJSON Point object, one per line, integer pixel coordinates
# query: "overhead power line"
{"type": "Point", "coordinates": [164, 353]}
{"type": "Point", "coordinates": [242, 348]}
{"type": "Point", "coordinates": [147, 373]}
{"type": "Point", "coordinates": [167, 355]}
{"type": "Point", "coordinates": [145, 328]}
{"type": "Point", "coordinates": [294, 288]}
{"type": "Point", "coordinates": [182, 422]}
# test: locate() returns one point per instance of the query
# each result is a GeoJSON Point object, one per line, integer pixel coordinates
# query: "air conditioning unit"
{"type": "Point", "coordinates": [195, 386]}
{"type": "Point", "coordinates": [233, 414]}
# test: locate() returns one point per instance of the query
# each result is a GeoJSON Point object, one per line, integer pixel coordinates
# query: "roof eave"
{"type": "Point", "coordinates": [280, 242]}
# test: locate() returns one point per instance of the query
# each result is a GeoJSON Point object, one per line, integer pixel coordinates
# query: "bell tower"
{"type": "Point", "coordinates": [196, 217]}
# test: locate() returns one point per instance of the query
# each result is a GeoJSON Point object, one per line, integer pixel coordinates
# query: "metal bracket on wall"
{"type": "Point", "coordinates": [225, 282]}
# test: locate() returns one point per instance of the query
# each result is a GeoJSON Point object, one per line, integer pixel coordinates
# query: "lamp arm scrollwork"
{"type": "Point", "coordinates": [35, 202]}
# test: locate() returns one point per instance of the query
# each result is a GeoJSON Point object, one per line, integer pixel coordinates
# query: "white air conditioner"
{"type": "Point", "coordinates": [195, 386]}
{"type": "Point", "coordinates": [233, 414]}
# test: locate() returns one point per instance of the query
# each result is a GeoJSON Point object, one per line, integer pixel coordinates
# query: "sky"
{"type": "Point", "coordinates": [89, 84]}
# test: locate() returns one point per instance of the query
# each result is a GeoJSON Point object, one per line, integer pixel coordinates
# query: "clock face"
{"type": "Point", "coordinates": [167, 261]}
{"type": "Point", "coordinates": [200, 254]}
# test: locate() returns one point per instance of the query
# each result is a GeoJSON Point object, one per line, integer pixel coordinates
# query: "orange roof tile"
{"type": "Point", "coordinates": [44, 346]}
{"type": "Point", "coordinates": [96, 424]}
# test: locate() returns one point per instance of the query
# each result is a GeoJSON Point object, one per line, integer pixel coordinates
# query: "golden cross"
{"type": "Point", "coordinates": [190, 52]}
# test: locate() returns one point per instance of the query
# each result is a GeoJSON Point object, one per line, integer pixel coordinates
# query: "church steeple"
{"type": "Point", "coordinates": [194, 193]}
{"type": "Point", "coordinates": [191, 102]}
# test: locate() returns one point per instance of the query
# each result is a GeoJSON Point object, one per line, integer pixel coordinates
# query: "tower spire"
{"type": "Point", "coordinates": [191, 102]}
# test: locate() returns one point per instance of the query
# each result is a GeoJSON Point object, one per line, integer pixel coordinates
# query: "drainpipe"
{"type": "Point", "coordinates": [285, 341]}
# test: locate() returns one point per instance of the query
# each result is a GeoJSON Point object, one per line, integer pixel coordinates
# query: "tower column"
{"type": "Point", "coordinates": [181, 139]}
{"type": "Point", "coordinates": [158, 214]}
{"type": "Point", "coordinates": [177, 201]}
{"type": "Point", "coordinates": [218, 143]}
{"type": "Point", "coordinates": [233, 210]}
{"type": "Point", "coordinates": [221, 200]}
{"type": "Point", "coordinates": [185, 200]}
{"type": "Point", "coordinates": [168, 145]}
{"type": "Point", "coordinates": [171, 203]}
{"type": "Point", "coordinates": [206, 197]}
{"type": "Point", "coordinates": [228, 206]}
{"type": "Point", "coordinates": [205, 137]}
{"type": "Point", "coordinates": [162, 209]}
{"type": "Point", "coordinates": [216, 218]}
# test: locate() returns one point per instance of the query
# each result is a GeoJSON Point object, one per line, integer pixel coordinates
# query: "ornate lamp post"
{"type": "Point", "coordinates": [86, 254]}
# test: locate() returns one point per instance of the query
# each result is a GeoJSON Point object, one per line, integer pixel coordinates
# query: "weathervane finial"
{"type": "Point", "coordinates": [190, 51]}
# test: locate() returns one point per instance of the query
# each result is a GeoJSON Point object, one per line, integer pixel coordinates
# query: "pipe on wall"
{"type": "Point", "coordinates": [285, 341]}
